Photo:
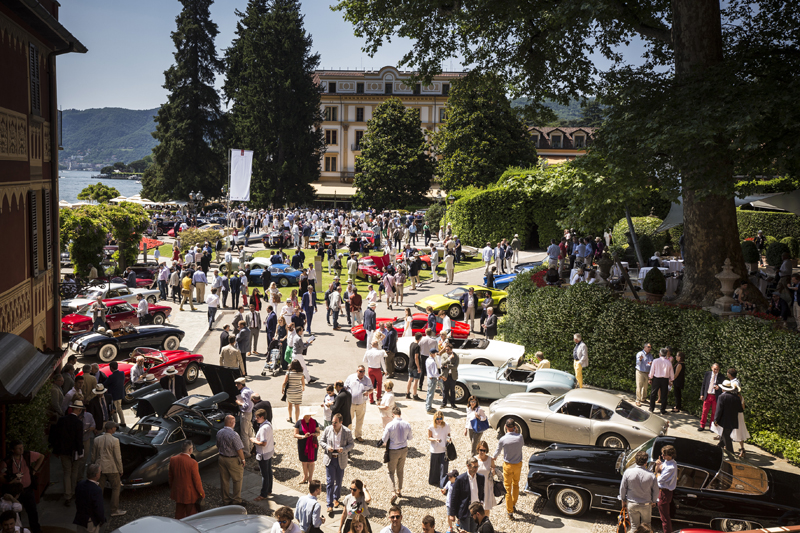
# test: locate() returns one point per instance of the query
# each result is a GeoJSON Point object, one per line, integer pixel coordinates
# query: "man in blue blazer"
{"type": "Point", "coordinates": [271, 324]}
{"type": "Point", "coordinates": [90, 514]}
{"type": "Point", "coordinates": [115, 383]}
{"type": "Point", "coordinates": [370, 323]}
{"type": "Point", "coordinates": [462, 495]}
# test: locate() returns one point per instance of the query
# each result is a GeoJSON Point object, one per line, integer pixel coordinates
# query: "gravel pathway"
{"type": "Point", "coordinates": [419, 498]}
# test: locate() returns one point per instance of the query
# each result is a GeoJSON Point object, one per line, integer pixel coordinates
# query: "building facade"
{"type": "Point", "coordinates": [559, 144]}
{"type": "Point", "coordinates": [30, 40]}
{"type": "Point", "coordinates": [348, 100]}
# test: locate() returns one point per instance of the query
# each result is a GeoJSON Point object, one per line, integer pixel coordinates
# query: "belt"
{"type": "Point", "coordinates": [228, 456]}
{"type": "Point", "coordinates": [397, 449]}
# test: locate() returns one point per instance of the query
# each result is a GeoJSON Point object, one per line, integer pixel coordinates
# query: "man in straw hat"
{"type": "Point", "coordinates": [100, 406]}
{"type": "Point", "coordinates": [174, 382]}
{"type": "Point", "coordinates": [67, 441]}
{"type": "Point", "coordinates": [729, 405]}
{"type": "Point", "coordinates": [245, 404]}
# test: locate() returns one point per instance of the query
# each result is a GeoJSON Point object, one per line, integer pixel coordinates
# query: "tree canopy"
{"type": "Point", "coordinates": [716, 95]}
{"type": "Point", "coordinates": [394, 168]}
{"type": "Point", "coordinates": [275, 104]}
{"type": "Point", "coordinates": [483, 134]}
{"type": "Point", "coordinates": [191, 121]}
{"type": "Point", "coordinates": [98, 192]}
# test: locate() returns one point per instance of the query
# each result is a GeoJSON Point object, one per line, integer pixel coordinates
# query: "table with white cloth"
{"type": "Point", "coordinates": [672, 283]}
{"type": "Point", "coordinates": [616, 272]}
{"type": "Point", "coordinates": [673, 265]}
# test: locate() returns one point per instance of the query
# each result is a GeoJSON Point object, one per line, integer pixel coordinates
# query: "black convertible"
{"type": "Point", "coordinates": [715, 488]}
{"type": "Point", "coordinates": [107, 345]}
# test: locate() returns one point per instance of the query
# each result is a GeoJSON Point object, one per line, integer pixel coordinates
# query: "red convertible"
{"type": "Point", "coordinates": [156, 361]}
{"type": "Point", "coordinates": [460, 330]}
{"type": "Point", "coordinates": [118, 311]}
{"type": "Point", "coordinates": [426, 259]}
{"type": "Point", "coordinates": [371, 267]}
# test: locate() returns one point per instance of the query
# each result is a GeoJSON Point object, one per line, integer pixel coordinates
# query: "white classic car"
{"type": "Point", "coordinates": [221, 519]}
{"type": "Point", "coordinates": [117, 291]}
{"type": "Point", "coordinates": [474, 351]}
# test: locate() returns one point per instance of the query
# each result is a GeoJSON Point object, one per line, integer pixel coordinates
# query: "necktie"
{"type": "Point", "coordinates": [105, 408]}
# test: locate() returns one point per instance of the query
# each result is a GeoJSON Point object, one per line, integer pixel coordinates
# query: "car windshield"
{"type": "Point", "coordinates": [92, 294]}
{"type": "Point", "coordinates": [149, 433]}
{"type": "Point", "coordinates": [368, 262]}
{"type": "Point", "coordinates": [147, 352]}
{"type": "Point", "coordinates": [630, 459]}
{"type": "Point", "coordinates": [289, 269]}
{"type": "Point", "coordinates": [85, 310]}
{"type": "Point", "coordinates": [456, 293]}
{"type": "Point", "coordinates": [556, 403]}
{"type": "Point", "coordinates": [627, 410]}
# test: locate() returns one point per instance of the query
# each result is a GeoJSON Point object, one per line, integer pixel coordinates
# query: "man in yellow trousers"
{"type": "Point", "coordinates": [580, 355]}
{"type": "Point", "coordinates": [511, 447]}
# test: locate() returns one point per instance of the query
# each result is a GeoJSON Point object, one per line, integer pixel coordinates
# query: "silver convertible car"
{"type": "Point", "coordinates": [581, 416]}
{"type": "Point", "coordinates": [492, 382]}
{"type": "Point", "coordinates": [221, 519]}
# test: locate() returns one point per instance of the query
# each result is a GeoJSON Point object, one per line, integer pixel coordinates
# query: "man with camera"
{"type": "Point", "coordinates": [336, 442]}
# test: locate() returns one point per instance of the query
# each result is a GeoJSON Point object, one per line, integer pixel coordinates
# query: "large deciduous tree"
{"type": "Point", "coordinates": [394, 168]}
{"type": "Point", "coordinates": [717, 94]}
{"type": "Point", "coordinates": [275, 103]}
{"type": "Point", "coordinates": [191, 122]}
{"type": "Point", "coordinates": [483, 135]}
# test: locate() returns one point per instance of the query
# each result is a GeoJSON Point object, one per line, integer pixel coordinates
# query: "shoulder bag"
{"type": "Point", "coordinates": [452, 455]}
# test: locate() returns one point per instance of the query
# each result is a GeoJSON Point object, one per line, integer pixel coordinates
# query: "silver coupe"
{"type": "Point", "coordinates": [492, 382]}
{"type": "Point", "coordinates": [218, 520]}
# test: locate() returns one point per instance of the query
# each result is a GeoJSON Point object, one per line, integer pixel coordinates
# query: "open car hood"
{"type": "Point", "coordinates": [156, 403]}
{"type": "Point", "coordinates": [222, 380]}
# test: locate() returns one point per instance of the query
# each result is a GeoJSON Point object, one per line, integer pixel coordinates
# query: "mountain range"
{"type": "Point", "coordinates": [107, 135]}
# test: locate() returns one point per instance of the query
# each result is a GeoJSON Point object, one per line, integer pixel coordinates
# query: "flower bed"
{"type": "Point", "coordinates": [149, 243]}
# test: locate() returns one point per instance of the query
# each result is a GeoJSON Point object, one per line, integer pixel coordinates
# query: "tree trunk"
{"type": "Point", "coordinates": [711, 234]}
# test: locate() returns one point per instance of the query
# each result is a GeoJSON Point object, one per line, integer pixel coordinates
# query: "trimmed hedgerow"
{"type": "Point", "coordinates": [779, 225]}
{"type": "Point", "coordinates": [615, 330]}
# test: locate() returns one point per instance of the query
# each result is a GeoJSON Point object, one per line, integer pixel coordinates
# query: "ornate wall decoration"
{"type": "Point", "coordinates": [13, 136]}
{"type": "Point", "coordinates": [16, 193]}
{"type": "Point", "coordinates": [47, 142]}
{"type": "Point", "coordinates": [15, 309]}
{"type": "Point", "coordinates": [13, 35]}
{"type": "Point", "coordinates": [375, 86]}
{"type": "Point", "coordinates": [35, 144]}
{"type": "Point", "coordinates": [346, 86]}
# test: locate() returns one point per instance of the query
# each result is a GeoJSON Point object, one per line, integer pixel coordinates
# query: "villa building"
{"type": "Point", "coordinates": [559, 144]}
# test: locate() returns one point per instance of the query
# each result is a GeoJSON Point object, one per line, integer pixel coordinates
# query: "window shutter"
{"type": "Point", "coordinates": [34, 242]}
{"type": "Point", "coordinates": [36, 90]}
{"type": "Point", "coordinates": [48, 229]}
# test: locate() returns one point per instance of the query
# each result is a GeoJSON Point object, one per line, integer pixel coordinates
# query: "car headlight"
{"type": "Point", "coordinates": [82, 348]}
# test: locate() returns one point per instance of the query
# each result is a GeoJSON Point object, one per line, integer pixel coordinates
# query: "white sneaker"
{"type": "Point", "coordinates": [119, 513]}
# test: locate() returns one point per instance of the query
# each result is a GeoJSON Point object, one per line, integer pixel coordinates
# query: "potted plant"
{"type": "Point", "coordinates": [750, 255]}
{"type": "Point", "coordinates": [775, 253]}
{"type": "Point", "coordinates": [654, 285]}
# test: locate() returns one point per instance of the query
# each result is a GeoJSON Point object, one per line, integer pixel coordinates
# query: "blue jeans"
{"type": "Point", "coordinates": [212, 312]}
{"type": "Point", "coordinates": [335, 318]}
{"type": "Point", "coordinates": [333, 480]}
{"type": "Point", "coordinates": [266, 476]}
{"type": "Point", "coordinates": [431, 391]}
{"type": "Point", "coordinates": [162, 288]}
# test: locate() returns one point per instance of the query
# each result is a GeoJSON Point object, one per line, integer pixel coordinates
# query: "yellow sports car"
{"type": "Point", "coordinates": [451, 302]}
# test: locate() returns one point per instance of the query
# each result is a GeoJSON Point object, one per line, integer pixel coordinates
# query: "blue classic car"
{"type": "Point", "coordinates": [283, 275]}
{"type": "Point", "coordinates": [502, 281]}
{"type": "Point", "coordinates": [492, 382]}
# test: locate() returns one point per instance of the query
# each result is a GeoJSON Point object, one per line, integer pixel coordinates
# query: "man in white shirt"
{"type": "Point", "coordinates": [212, 301]}
{"type": "Point", "coordinates": [229, 260]}
{"type": "Point", "coordinates": [359, 386]}
{"type": "Point", "coordinates": [265, 449]}
{"type": "Point", "coordinates": [375, 359]}
{"type": "Point", "coordinates": [661, 376]}
{"type": "Point", "coordinates": [163, 278]}
{"type": "Point", "coordinates": [433, 373]}
{"type": "Point", "coordinates": [434, 263]}
{"type": "Point", "coordinates": [396, 435]}
{"type": "Point", "coordinates": [580, 356]}
{"type": "Point", "coordinates": [487, 252]}
{"type": "Point", "coordinates": [142, 310]}
{"type": "Point", "coordinates": [552, 254]}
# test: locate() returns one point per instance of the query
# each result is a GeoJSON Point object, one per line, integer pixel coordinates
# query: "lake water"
{"type": "Point", "coordinates": [74, 181]}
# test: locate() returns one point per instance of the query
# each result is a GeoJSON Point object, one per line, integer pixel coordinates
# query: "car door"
{"type": "Point", "coordinates": [122, 313]}
{"type": "Point", "coordinates": [689, 498]}
{"type": "Point", "coordinates": [125, 294]}
{"type": "Point", "coordinates": [510, 386]}
{"type": "Point", "coordinates": [570, 424]}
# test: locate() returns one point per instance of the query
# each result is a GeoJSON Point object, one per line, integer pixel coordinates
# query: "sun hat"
{"type": "Point", "coordinates": [77, 405]}
{"type": "Point", "coordinates": [307, 411]}
{"type": "Point", "coordinates": [240, 380]}
{"type": "Point", "coordinates": [99, 389]}
{"type": "Point", "coordinates": [170, 371]}
{"type": "Point", "coordinates": [727, 385]}
{"type": "Point", "coordinates": [149, 378]}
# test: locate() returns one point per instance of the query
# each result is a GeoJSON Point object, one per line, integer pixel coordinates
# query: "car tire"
{"type": "Point", "coordinates": [541, 391]}
{"type": "Point", "coordinates": [283, 282]}
{"type": "Point", "coordinates": [152, 299]}
{"type": "Point", "coordinates": [171, 343]}
{"type": "Point", "coordinates": [425, 266]}
{"type": "Point", "coordinates": [128, 398]}
{"type": "Point", "coordinates": [570, 501]}
{"type": "Point", "coordinates": [159, 319]}
{"type": "Point", "coordinates": [523, 427]}
{"type": "Point", "coordinates": [191, 373]}
{"type": "Point", "coordinates": [159, 232]}
{"type": "Point", "coordinates": [107, 353]}
{"type": "Point", "coordinates": [454, 311]}
{"type": "Point", "coordinates": [735, 524]}
{"type": "Point", "coordinates": [502, 307]}
{"type": "Point", "coordinates": [400, 362]}
{"type": "Point", "coordinates": [461, 392]}
{"type": "Point", "coordinates": [481, 362]}
{"type": "Point", "coordinates": [612, 440]}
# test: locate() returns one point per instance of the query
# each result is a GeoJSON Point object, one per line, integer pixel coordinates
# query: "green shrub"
{"type": "Point", "coordinates": [615, 329]}
{"type": "Point", "coordinates": [28, 421]}
{"type": "Point", "coordinates": [769, 241]}
{"type": "Point", "coordinates": [192, 236]}
{"type": "Point", "coordinates": [643, 226]}
{"type": "Point", "coordinates": [778, 224]}
{"type": "Point", "coordinates": [789, 449]}
{"type": "Point", "coordinates": [775, 253]}
{"type": "Point", "coordinates": [750, 252]}
{"type": "Point", "coordinates": [655, 282]}
{"type": "Point", "coordinates": [433, 217]}
{"type": "Point", "coordinates": [647, 247]}
{"type": "Point", "coordinates": [794, 246]}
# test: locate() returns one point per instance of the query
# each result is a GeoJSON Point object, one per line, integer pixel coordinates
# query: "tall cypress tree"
{"type": "Point", "coordinates": [275, 107]}
{"type": "Point", "coordinates": [191, 122]}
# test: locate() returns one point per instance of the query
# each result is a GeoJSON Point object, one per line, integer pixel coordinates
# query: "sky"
{"type": "Point", "coordinates": [130, 48]}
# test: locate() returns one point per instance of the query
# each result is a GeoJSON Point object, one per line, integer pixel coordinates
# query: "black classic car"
{"type": "Point", "coordinates": [165, 423]}
{"type": "Point", "coordinates": [106, 346]}
{"type": "Point", "coordinates": [715, 488]}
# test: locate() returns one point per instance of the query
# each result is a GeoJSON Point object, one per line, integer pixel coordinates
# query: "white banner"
{"type": "Point", "coordinates": [241, 171]}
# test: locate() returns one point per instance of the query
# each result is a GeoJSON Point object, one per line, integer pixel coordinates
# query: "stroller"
{"type": "Point", "coordinates": [273, 361]}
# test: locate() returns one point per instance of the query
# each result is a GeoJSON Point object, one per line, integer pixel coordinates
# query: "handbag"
{"type": "Point", "coordinates": [498, 488]}
{"type": "Point", "coordinates": [624, 523]}
{"type": "Point", "coordinates": [386, 453]}
{"type": "Point", "coordinates": [479, 426]}
{"type": "Point", "coordinates": [451, 451]}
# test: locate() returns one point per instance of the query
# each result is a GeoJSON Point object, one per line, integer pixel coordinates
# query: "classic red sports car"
{"type": "Point", "coordinates": [426, 259]}
{"type": "Point", "coordinates": [118, 311]}
{"type": "Point", "coordinates": [371, 267]}
{"type": "Point", "coordinates": [460, 330]}
{"type": "Point", "coordinates": [156, 361]}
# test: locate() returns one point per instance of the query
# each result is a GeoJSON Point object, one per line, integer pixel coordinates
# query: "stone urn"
{"type": "Point", "coordinates": [604, 264]}
{"type": "Point", "coordinates": [727, 278]}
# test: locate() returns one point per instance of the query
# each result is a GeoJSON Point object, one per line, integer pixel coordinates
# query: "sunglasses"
{"type": "Point", "coordinates": [484, 451]}
{"type": "Point", "coordinates": [396, 517]}
{"type": "Point", "coordinates": [360, 371]}
{"type": "Point", "coordinates": [283, 521]}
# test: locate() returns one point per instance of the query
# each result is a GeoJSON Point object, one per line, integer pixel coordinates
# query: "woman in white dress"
{"type": "Point", "coordinates": [485, 468]}
{"type": "Point", "coordinates": [407, 325]}
{"type": "Point", "coordinates": [474, 411]}
{"type": "Point", "coordinates": [387, 402]}
{"type": "Point", "coordinates": [739, 434]}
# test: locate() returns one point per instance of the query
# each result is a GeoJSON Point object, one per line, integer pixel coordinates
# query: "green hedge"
{"type": "Point", "coordinates": [778, 225]}
{"type": "Point", "coordinates": [615, 330]}
{"type": "Point", "coordinates": [644, 226]}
